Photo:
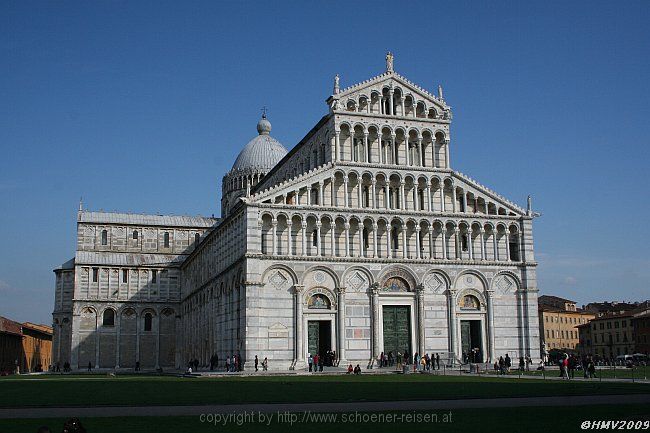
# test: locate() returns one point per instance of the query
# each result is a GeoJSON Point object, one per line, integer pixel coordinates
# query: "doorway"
{"type": "Point", "coordinates": [397, 329]}
{"type": "Point", "coordinates": [319, 337]}
{"type": "Point", "coordinates": [471, 340]}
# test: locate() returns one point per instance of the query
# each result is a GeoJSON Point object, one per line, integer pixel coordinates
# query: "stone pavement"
{"type": "Point", "coordinates": [368, 406]}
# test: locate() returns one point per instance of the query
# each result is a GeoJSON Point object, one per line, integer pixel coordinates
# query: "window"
{"type": "Point", "coordinates": [125, 275]}
{"type": "Point", "coordinates": [148, 319]}
{"type": "Point", "coordinates": [104, 237]}
{"type": "Point", "coordinates": [166, 239]}
{"type": "Point", "coordinates": [395, 238]}
{"type": "Point", "coordinates": [109, 318]}
{"type": "Point", "coordinates": [366, 243]}
{"type": "Point", "coordinates": [197, 238]}
{"type": "Point", "coordinates": [135, 235]}
{"type": "Point", "coordinates": [514, 247]}
{"type": "Point", "coordinates": [95, 274]}
{"type": "Point", "coordinates": [154, 276]}
{"type": "Point", "coordinates": [463, 242]}
{"type": "Point", "coordinates": [314, 238]}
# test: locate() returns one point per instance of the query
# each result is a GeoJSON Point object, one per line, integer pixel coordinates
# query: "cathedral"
{"type": "Point", "coordinates": [360, 240]}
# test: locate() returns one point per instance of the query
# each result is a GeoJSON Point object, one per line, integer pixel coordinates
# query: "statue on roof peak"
{"type": "Point", "coordinates": [389, 61]}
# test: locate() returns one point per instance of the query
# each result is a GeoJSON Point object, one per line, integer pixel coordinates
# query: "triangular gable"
{"type": "Point", "coordinates": [386, 77]}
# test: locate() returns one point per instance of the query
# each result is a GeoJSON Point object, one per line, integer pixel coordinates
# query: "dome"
{"type": "Point", "coordinates": [262, 153]}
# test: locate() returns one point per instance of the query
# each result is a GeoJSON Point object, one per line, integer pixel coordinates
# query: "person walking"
{"type": "Point", "coordinates": [90, 366]}
{"type": "Point", "coordinates": [256, 362]}
{"type": "Point", "coordinates": [572, 366]}
{"type": "Point", "coordinates": [265, 364]}
{"type": "Point", "coordinates": [565, 367]}
{"type": "Point", "coordinates": [316, 358]}
{"type": "Point", "coordinates": [438, 361]}
{"type": "Point", "coordinates": [310, 361]}
{"type": "Point", "coordinates": [227, 363]}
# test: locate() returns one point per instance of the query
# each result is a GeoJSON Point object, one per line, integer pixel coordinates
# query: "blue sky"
{"type": "Point", "coordinates": [143, 106]}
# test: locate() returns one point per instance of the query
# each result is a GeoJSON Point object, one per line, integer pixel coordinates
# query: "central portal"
{"type": "Point", "coordinates": [319, 337]}
{"type": "Point", "coordinates": [471, 341]}
{"type": "Point", "coordinates": [397, 329]}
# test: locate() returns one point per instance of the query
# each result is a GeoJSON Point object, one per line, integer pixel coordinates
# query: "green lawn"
{"type": "Point", "coordinates": [602, 372]}
{"type": "Point", "coordinates": [94, 390]}
{"type": "Point", "coordinates": [528, 419]}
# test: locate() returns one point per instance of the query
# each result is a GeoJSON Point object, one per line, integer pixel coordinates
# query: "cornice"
{"type": "Point", "coordinates": [387, 213]}
{"type": "Point", "coordinates": [425, 120]}
{"type": "Point", "coordinates": [384, 260]}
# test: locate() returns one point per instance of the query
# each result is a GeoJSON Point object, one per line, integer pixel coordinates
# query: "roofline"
{"type": "Point", "coordinates": [128, 224]}
{"type": "Point", "coordinates": [293, 151]}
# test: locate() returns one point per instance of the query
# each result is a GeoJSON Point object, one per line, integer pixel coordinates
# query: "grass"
{"type": "Point", "coordinates": [98, 390]}
{"type": "Point", "coordinates": [637, 373]}
{"type": "Point", "coordinates": [528, 419]}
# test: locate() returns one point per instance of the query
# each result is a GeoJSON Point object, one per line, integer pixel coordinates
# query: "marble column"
{"type": "Point", "coordinates": [482, 238]}
{"type": "Point", "coordinates": [402, 201]}
{"type": "Point", "coordinates": [374, 293]}
{"type": "Point", "coordinates": [298, 335]}
{"type": "Point", "coordinates": [346, 203]}
{"type": "Point", "coordinates": [469, 244]}
{"type": "Point", "coordinates": [452, 323]}
{"type": "Point", "coordinates": [418, 247]}
{"type": "Point", "coordinates": [304, 239]}
{"type": "Point", "coordinates": [373, 193]}
{"type": "Point", "coordinates": [419, 296]}
{"type": "Point", "coordinates": [404, 252]}
{"type": "Point", "coordinates": [428, 201]}
{"type": "Point", "coordinates": [321, 192]}
{"type": "Point", "coordinates": [341, 324]}
{"type": "Point", "coordinates": [490, 314]}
